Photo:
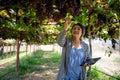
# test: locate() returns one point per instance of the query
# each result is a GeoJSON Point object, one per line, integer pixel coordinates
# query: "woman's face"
{"type": "Point", "coordinates": [77, 31]}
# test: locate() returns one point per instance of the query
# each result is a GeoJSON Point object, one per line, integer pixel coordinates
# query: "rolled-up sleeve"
{"type": "Point", "coordinates": [61, 39]}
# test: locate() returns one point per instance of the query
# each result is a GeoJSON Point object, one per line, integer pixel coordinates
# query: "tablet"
{"type": "Point", "coordinates": [91, 61]}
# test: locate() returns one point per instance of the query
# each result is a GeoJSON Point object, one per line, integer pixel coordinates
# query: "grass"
{"type": "Point", "coordinates": [97, 74]}
{"type": "Point", "coordinates": [43, 63]}
{"type": "Point", "coordinates": [7, 70]}
{"type": "Point", "coordinates": [9, 55]}
{"type": "Point", "coordinates": [34, 63]}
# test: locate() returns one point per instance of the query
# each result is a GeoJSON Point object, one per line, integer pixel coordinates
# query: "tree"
{"type": "Point", "coordinates": [14, 24]}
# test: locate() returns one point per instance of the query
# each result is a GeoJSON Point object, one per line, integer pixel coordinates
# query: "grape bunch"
{"type": "Point", "coordinates": [57, 9]}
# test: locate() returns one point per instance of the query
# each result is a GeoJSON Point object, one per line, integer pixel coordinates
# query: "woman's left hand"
{"type": "Point", "coordinates": [86, 64]}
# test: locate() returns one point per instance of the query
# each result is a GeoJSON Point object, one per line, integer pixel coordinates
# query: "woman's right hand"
{"type": "Point", "coordinates": [67, 23]}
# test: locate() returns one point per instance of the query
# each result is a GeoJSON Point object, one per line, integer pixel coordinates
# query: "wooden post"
{"type": "Point", "coordinates": [6, 50]}
{"type": "Point", "coordinates": [30, 49]}
{"type": "Point", "coordinates": [89, 69]}
{"type": "Point", "coordinates": [26, 48]}
{"type": "Point", "coordinates": [17, 56]}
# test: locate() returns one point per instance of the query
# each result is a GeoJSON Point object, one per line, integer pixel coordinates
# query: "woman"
{"type": "Point", "coordinates": [74, 53]}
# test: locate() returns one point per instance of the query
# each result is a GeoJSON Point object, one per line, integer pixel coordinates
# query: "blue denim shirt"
{"type": "Point", "coordinates": [75, 60]}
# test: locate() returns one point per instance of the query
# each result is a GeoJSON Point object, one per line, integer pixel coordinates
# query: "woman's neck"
{"type": "Point", "coordinates": [76, 42]}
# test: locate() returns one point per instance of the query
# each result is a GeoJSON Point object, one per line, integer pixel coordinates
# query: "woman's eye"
{"type": "Point", "coordinates": [76, 28]}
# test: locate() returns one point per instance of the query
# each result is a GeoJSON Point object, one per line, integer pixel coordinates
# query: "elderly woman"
{"type": "Point", "coordinates": [75, 51]}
